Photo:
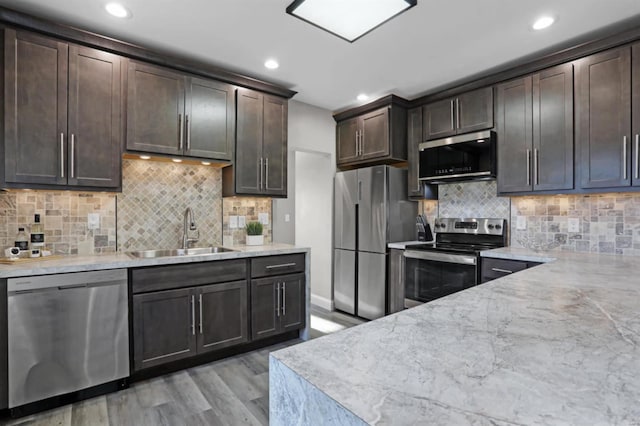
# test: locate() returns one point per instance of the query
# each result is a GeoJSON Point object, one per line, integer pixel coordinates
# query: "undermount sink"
{"type": "Point", "coordinates": [177, 252]}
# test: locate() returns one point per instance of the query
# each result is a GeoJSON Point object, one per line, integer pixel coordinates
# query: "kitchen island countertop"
{"type": "Point", "coordinates": [555, 344]}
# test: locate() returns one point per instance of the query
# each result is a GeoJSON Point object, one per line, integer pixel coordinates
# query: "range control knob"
{"type": "Point", "coordinates": [498, 227]}
{"type": "Point", "coordinates": [490, 226]}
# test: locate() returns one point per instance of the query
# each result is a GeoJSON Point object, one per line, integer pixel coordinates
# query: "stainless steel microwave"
{"type": "Point", "coordinates": [463, 157]}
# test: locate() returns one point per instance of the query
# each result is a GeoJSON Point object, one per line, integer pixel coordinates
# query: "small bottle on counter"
{"type": "Point", "coordinates": [22, 241]}
{"type": "Point", "coordinates": [37, 233]}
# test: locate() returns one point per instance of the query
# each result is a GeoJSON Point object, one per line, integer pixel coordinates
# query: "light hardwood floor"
{"type": "Point", "coordinates": [232, 391]}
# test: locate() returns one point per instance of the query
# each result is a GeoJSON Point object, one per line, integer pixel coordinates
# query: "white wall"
{"type": "Point", "coordinates": [311, 129]}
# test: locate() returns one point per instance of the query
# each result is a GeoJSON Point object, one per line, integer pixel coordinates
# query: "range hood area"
{"type": "Point", "coordinates": [469, 156]}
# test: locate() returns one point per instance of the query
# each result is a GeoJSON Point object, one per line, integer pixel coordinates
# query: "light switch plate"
{"type": "Point", "coordinates": [287, 217]}
{"type": "Point", "coordinates": [521, 223]}
{"type": "Point", "coordinates": [233, 222]}
{"type": "Point", "coordinates": [263, 218]}
{"type": "Point", "coordinates": [242, 221]}
{"type": "Point", "coordinates": [93, 221]}
{"type": "Point", "coordinates": [574, 224]}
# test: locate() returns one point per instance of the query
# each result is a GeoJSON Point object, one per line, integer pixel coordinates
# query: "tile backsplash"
{"type": "Point", "coordinates": [607, 223]}
{"type": "Point", "coordinates": [154, 198]}
{"type": "Point", "coordinates": [249, 207]}
{"type": "Point", "coordinates": [64, 215]}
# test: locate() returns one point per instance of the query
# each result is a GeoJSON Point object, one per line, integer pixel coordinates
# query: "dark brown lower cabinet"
{"type": "Point", "coordinates": [277, 305]}
{"type": "Point", "coordinates": [176, 324]}
{"type": "Point", "coordinates": [492, 268]}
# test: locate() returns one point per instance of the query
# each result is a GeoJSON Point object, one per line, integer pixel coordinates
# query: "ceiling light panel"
{"type": "Point", "coordinates": [348, 19]}
{"type": "Point", "coordinates": [117, 10]}
{"type": "Point", "coordinates": [543, 22]}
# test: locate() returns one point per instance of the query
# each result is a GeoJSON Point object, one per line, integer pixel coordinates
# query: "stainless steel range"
{"type": "Point", "coordinates": [451, 263]}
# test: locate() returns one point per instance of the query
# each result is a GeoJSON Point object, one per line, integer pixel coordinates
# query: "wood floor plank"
{"type": "Point", "coordinates": [259, 407]}
{"type": "Point", "coordinates": [92, 412]}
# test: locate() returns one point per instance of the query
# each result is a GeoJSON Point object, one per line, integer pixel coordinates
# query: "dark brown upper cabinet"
{"type": "Point", "coordinates": [62, 119]}
{"type": "Point", "coordinates": [603, 118]}
{"type": "Point", "coordinates": [534, 123]}
{"type": "Point", "coordinates": [416, 190]}
{"type": "Point", "coordinates": [171, 113]}
{"type": "Point", "coordinates": [260, 166]}
{"type": "Point", "coordinates": [375, 137]}
{"type": "Point", "coordinates": [635, 109]}
{"type": "Point", "coordinates": [468, 112]}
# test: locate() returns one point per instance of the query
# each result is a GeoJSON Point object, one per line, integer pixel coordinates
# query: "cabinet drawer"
{"type": "Point", "coordinates": [277, 265]}
{"type": "Point", "coordinates": [496, 268]}
{"type": "Point", "coordinates": [187, 275]}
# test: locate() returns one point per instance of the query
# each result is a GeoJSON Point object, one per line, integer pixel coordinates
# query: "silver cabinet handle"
{"type": "Point", "coordinates": [193, 315]}
{"type": "Point", "coordinates": [187, 131]}
{"type": "Point", "coordinates": [457, 123]}
{"type": "Point", "coordinates": [284, 299]}
{"type": "Point", "coordinates": [278, 299]}
{"type": "Point", "coordinates": [637, 156]}
{"type": "Point", "coordinates": [506, 271]}
{"type": "Point", "coordinates": [266, 173]}
{"type": "Point", "coordinates": [282, 265]}
{"type": "Point", "coordinates": [453, 117]}
{"type": "Point", "coordinates": [73, 153]}
{"type": "Point", "coordinates": [624, 158]}
{"type": "Point", "coordinates": [260, 168]}
{"type": "Point", "coordinates": [200, 303]}
{"type": "Point", "coordinates": [180, 131]}
{"type": "Point", "coordinates": [61, 154]}
{"type": "Point", "coordinates": [360, 191]}
{"type": "Point", "coordinates": [362, 142]}
{"type": "Point", "coordinates": [528, 167]}
{"type": "Point", "coordinates": [357, 142]}
{"type": "Point", "coordinates": [536, 175]}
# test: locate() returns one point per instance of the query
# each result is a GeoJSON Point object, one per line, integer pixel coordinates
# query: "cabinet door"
{"type": "Point", "coordinates": [439, 119]}
{"type": "Point", "coordinates": [414, 137]}
{"type": "Point", "coordinates": [514, 128]}
{"type": "Point", "coordinates": [249, 161]}
{"type": "Point", "coordinates": [209, 119]}
{"type": "Point", "coordinates": [35, 108]}
{"type": "Point", "coordinates": [603, 115]}
{"type": "Point", "coordinates": [274, 146]}
{"type": "Point", "coordinates": [222, 316]}
{"type": "Point", "coordinates": [346, 141]}
{"type": "Point", "coordinates": [293, 302]}
{"type": "Point", "coordinates": [635, 108]}
{"type": "Point", "coordinates": [553, 128]}
{"type": "Point", "coordinates": [265, 313]}
{"type": "Point", "coordinates": [155, 109]}
{"type": "Point", "coordinates": [474, 110]}
{"type": "Point", "coordinates": [95, 129]}
{"type": "Point", "coordinates": [375, 134]}
{"type": "Point", "coordinates": [163, 327]}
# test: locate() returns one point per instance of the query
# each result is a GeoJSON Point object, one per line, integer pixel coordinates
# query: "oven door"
{"type": "Point", "coordinates": [430, 275]}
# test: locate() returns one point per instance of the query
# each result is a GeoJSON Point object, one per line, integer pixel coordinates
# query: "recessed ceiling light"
{"type": "Point", "coordinates": [176, 160]}
{"type": "Point", "coordinates": [206, 163]}
{"type": "Point", "coordinates": [363, 97]}
{"type": "Point", "coordinates": [543, 22]}
{"type": "Point", "coordinates": [272, 64]}
{"type": "Point", "coordinates": [145, 157]}
{"type": "Point", "coordinates": [117, 10]}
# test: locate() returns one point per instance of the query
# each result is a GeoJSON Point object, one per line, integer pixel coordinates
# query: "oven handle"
{"type": "Point", "coordinates": [441, 257]}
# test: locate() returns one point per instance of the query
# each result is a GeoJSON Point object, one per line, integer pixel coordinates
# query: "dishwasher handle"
{"type": "Point", "coordinates": [65, 281]}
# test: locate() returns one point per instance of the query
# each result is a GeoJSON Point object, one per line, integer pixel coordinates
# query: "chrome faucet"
{"type": "Point", "coordinates": [189, 224]}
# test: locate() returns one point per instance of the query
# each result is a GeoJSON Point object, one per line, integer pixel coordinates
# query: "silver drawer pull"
{"type": "Point", "coordinates": [284, 265]}
{"type": "Point", "coordinates": [278, 299]}
{"type": "Point", "coordinates": [506, 271]}
{"type": "Point", "coordinates": [193, 315]}
{"type": "Point", "coordinates": [200, 305]}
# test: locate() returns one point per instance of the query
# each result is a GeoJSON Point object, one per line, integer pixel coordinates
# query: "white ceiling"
{"type": "Point", "coordinates": [433, 44]}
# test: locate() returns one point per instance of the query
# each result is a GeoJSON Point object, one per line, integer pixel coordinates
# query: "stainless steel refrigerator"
{"type": "Point", "coordinates": [371, 209]}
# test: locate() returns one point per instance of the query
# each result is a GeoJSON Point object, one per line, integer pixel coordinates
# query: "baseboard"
{"type": "Point", "coordinates": [322, 302]}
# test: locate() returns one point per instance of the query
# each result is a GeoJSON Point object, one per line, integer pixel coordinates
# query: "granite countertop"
{"type": "Point", "coordinates": [554, 344]}
{"type": "Point", "coordinates": [121, 260]}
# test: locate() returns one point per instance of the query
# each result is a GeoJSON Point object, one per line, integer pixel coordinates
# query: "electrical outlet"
{"type": "Point", "coordinates": [574, 224]}
{"type": "Point", "coordinates": [93, 221]}
{"type": "Point", "coordinates": [521, 223]}
{"type": "Point", "coordinates": [233, 222]}
{"type": "Point", "coordinates": [242, 221]}
{"type": "Point", "coordinates": [263, 218]}
{"type": "Point", "coordinates": [287, 217]}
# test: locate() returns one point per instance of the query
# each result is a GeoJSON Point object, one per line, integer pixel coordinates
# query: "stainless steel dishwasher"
{"type": "Point", "coordinates": [67, 332]}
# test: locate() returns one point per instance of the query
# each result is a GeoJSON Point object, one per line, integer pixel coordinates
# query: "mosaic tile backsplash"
{"type": "Point", "coordinates": [608, 223]}
{"type": "Point", "coordinates": [472, 199]}
{"type": "Point", "coordinates": [154, 198]}
{"type": "Point", "coordinates": [64, 215]}
{"type": "Point", "coordinates": [250, 208]}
